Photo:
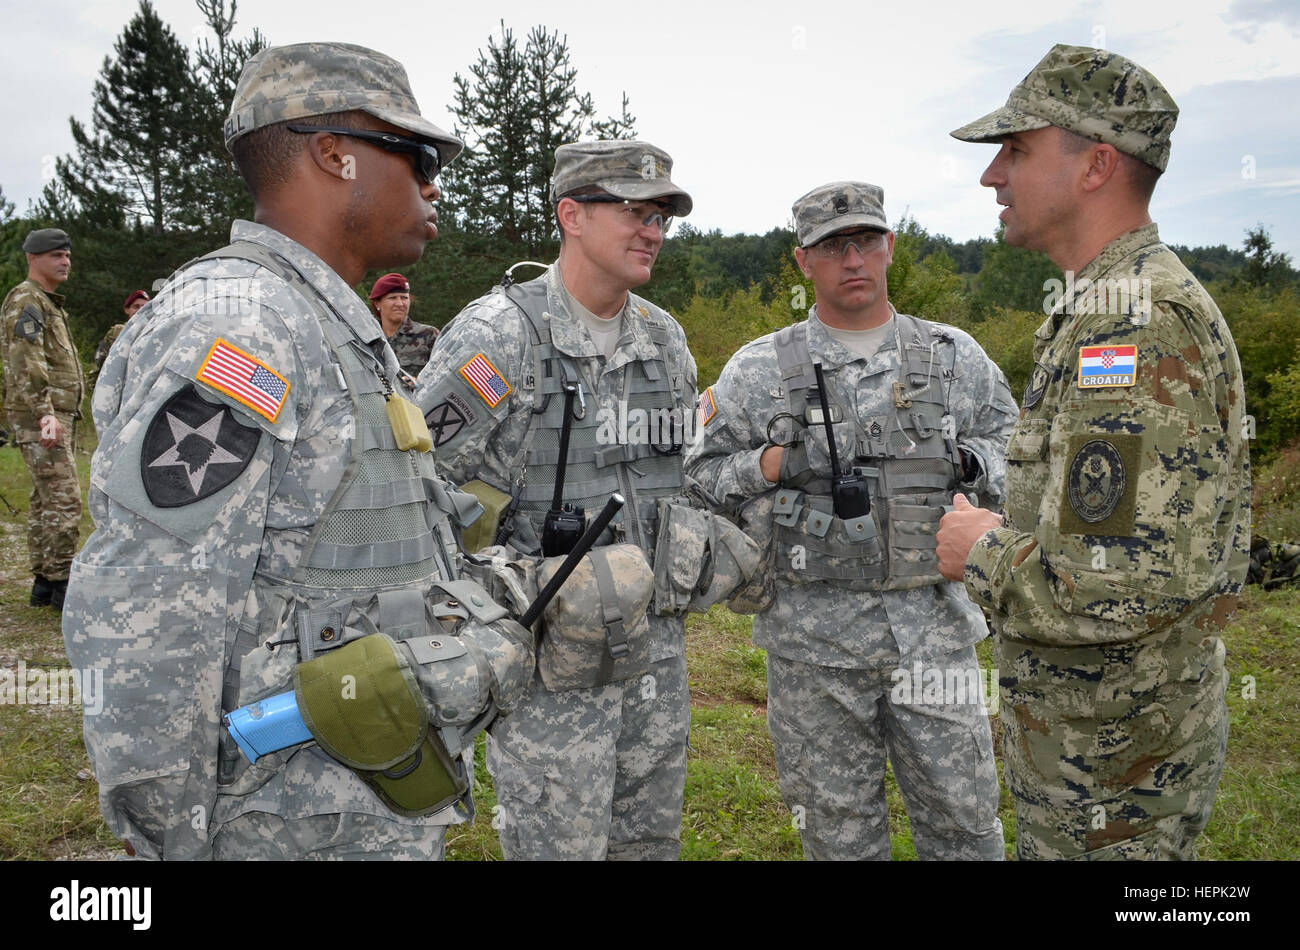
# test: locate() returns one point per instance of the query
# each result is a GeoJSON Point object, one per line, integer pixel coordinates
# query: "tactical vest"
{"type": "Point", "coordinates": [643, 471]}
{"type": "Point", "coordinates": [911, 465]}
{"type": "Point", "coordinates": [383, 538]}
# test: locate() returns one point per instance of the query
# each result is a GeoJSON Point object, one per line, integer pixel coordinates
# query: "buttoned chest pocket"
{"type": "Point", "coordinates": [1027, 472]}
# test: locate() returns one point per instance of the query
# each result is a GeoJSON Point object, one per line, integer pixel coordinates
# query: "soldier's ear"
{"type": "Point", "coordinates": [801, 258]}
{"type": "Point", "coordinates": [1103, 160]}
{"type": "Point", "coordinates": [327, 151]}
{"type": "Point", "coordinates": [569, 214]}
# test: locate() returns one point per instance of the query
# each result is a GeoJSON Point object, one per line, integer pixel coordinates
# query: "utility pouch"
{"type": "Point", "coordinates": [596, 627]}
{"type": "Point", "coordinates": [409, 428]}
{"type": "Point", "coordinates": [364, 708]}
{"type": "Point", "coordinates": [754, 519]}
{"type": "Point", "coordinates": [700, 559]}
{"type": "Point", "coordinates": [483, 532]}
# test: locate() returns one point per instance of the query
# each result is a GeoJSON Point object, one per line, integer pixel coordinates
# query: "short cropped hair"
{"type": "Point", "coordinates": [264, 157]}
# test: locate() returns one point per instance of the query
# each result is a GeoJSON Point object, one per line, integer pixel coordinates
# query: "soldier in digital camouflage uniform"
{"type": "Point", "coordinates": [134, 301]}
{"type": "Point", "coordinates": [412, 342]}
{"type": "Point", "coordinates": [43, 385]}
{"type": "Point", "coordinates": [254, 504]}
{"type": "Point", "coordinates": [1128, 488]}
{"type": "Point", "coordinates": [860, 610]}
{"type": "Point", "coordinates": [584, 773]}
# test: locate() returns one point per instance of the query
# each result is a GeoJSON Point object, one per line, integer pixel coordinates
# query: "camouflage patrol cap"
{"type": "Point", "coordinates": [624, 168]}
{"type": "Point", "coordinates": [282, 83]}
{"type": "Point", "coordinates": [44, 240]}
{"type": "Point", "coordinates": [838, 206]}
{"type": "Point", "coordinates": [1091, 92]}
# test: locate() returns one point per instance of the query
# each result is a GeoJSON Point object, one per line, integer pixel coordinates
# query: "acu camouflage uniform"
{"type": "Point", "coordinates": [247, 522]}
{"type": "Point", "coordinates": [413, 342]}
{"type": "Point", "coordinates": [1128, 519]}
{"type": "Point", "coordinates": [43, 376]}
{"type": "Point", "coordinates": [589, 773]}
{"type": "Point", "coordinates": [832, 650]}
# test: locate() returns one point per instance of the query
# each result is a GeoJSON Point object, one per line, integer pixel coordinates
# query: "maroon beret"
{"type": "Point", "coordinates": [390, 284]}
{"type": "Point", "coordinates": [133, 296]}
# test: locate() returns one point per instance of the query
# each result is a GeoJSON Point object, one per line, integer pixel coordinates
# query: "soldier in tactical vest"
{"type": "Point", "coordinates": [858, 624]}
{"type": "Point", "coordinates": [1127, 528]}
{"type": "Point", "coordinates": [43, 386]}
{"type": "Point", "coordinates": [573, 371]}
{"type": "Point", "coordinates": [268, 520]}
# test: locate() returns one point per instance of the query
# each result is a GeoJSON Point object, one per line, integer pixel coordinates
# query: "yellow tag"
{"type": "Point", "coordinates": [408, 425]}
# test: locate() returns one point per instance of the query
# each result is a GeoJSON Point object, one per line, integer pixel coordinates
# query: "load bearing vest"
{"type": "Point", "coordinates": [643, 470]}
{"type": "Point", "coordinates": [912, 465]}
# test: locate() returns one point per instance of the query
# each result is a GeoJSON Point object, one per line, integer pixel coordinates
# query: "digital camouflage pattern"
{"type": "Point", "coordinates": [282, 83]}
{"type": "Point", "coordinates": [43, 376]}
{"type": "Point", "coordinates": [838, 206]}
{"type": "Point", "coordinates": [856, 638]}
{"type": "Point", "coordinates": [177, 603]}
{"type": "Point", "coordinates": [626, 168]}
{"type": "Point", "coordinates": [1091, 92]}
{"type": "Point", "coordinates": [1125, 546]}
{"type": "Point", "coordinates": [413, 342]}
{"type": "Point", "coordinates": [599, 749]}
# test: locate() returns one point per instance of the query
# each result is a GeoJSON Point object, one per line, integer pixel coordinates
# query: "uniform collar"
{"type": "Point", "coordinates": [1116, 253]}
{"type": "Point", "coordinates": [323, 277]}
{"type": "Point", "coordinates": [570, 336]}
{"type": "Point", "coordinates": [825, 349]}
{"type": "Point", "coordinates": [55, 298]}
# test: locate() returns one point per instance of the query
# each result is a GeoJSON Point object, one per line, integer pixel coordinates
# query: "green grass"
{"type": "Point", "coordinates": [733, 807]}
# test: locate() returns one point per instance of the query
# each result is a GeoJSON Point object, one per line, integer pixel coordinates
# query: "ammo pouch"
{"type": "Point", "coordinates": [596, 628]}
{"type": "Point", "coordinates": [700, 559]}
{"type": "Point", "coordinates": [810, 543]}
{"type": "Point", "coordinates": [363, 706]}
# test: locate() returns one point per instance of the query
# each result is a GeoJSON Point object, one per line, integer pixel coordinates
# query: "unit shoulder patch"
{"type": "Point", "coordinates": [192, 449]}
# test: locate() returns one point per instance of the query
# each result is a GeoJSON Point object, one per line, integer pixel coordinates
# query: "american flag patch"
{"type": "Point", "coordinates": [244, 379]}
{"type": "Point", "coordinates": [707, 408]}
{"type": "Point", "coordinates": [485, 379]}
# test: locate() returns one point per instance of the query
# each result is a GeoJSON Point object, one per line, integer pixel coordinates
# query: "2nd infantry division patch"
{"type": "Point", "coordinates": [193, 449]}
{"type": "Point", "coordinates": [1101, 366]}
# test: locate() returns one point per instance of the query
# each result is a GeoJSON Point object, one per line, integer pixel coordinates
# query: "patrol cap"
{"type": "Point", "coordinates": [838, 206]}
{"type": "Point", "coordinates": [1091, 92]}
{"type": "Point", "coordinates": [389, 284]}
{"type": "Point", "coordinates": [44, 240]}
{"type": "Point", "coordinates": [281, 83]}
{"type": "Point", "coordinates": [624, 168]}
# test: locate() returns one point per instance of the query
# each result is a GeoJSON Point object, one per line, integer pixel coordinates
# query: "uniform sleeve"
{"type": "Point", "coordinates": [1137, 505]}
{"type": "Point", "coordinates": [472, 384]}
{"type": "Point", "coordinates": [724, 458]}
{"type": "Point", "coordinates": [27, 373]}
{"type": "Point", "coordinates": [989, 413]}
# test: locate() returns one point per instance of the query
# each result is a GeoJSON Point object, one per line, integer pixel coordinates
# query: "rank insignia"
{"type": "Point", "coordinates": [1037, 385]}
{"type": "Point", "coordinates": [485, 380]}
{"type": "Point", "coordinates": [244, 379]}
{"type": "Point", "coordinates": [1101, 366]}
{"type": "Point", "coordinates": [707, 407]}
{"type": "Point", "coordinates": [192, 449]}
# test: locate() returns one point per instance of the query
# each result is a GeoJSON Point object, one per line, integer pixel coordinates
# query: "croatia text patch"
{"type": "Point", "coordinates": [244, 379]}
{"type": "Point", "coordinates": [1107, 366]}
{"type": "Point", "coordinates": [487, 382]}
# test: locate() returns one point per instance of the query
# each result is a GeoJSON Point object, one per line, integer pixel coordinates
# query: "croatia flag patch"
{"type": "Point", "coordinates": [1107, 366]}
{"type": "Point", "coordinates": [244, 379]}
{"type": "Point", "coordinates": [486, 381]}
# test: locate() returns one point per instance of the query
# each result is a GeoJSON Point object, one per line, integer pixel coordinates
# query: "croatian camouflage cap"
{"type": "Point", "coordinates": [44, 240]}
{"type": "Point", "coordinates": [624, 168]}
{"type": "Point", "coordinates": [282, 83]}
{"type": "Point", "coordinates": [839, 206]}
{"type": "Point", "coordinates": [1091, 92]}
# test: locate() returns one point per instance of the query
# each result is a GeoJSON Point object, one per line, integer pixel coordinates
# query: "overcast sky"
{"type": "Point", "coordinates": [758, 103]}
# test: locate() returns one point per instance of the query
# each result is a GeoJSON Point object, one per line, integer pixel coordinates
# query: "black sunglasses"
{"type": "Point", "coordinates": [427, 162]}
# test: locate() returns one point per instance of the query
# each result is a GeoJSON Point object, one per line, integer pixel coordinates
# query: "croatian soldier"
{"type": "Point", "coordinates": [592, 765]}
{"type": "Point", "coordinates": [267, 513]}
{"type": "Point", "coordinates": [390, 298]}
{"type": "Point", "coordinates": [861, 621]}
{"type": "Point", "coordinates": [1127, 528]}
{"type": "Point", "coordinates": [134, 301]}
{"type": "Point", "coordinates": [42, 395]}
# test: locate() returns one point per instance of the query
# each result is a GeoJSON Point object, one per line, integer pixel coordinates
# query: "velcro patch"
{"type": "Point", "coordinates": [485, 380]}
{"type": "Point", "coordinates": [1101, 486]}
{"type": "Point", "coordinates": [445, 422]}
{"type": "Point", "coordinates": [707, 407]}
{"type": "Point", "coordinates": [244, 379]}
{"type": "Point", "coordinates": [30, 323]}
{"type": "Point", "coordinates": [193, 449]}
{"type": "Point", "coordinates": [1101, 366]}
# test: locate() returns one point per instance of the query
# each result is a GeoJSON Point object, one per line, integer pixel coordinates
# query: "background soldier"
{"type": "Point", "coordinates": [260, 499]}
{"type": "Point", "coordinates": [390, 298]}
{"type": "Point", "coordinates": [596, 771]}
{"type": "Point", "coordinates": [1128, 489]}
{"type": "Point", "coordinates": [134, 301]}
{"type": "Point", "coordinates": [43, 385]}
{"type": "Point", "coordinates": [858, 599]}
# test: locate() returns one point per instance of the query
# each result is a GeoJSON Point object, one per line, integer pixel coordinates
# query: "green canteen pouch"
{"type": "Point", "coordinates": [363, 706]}
{"type": "Point", "coordinates": [596, 628]}
{"type": "Point", "coordinates": [483, 532]}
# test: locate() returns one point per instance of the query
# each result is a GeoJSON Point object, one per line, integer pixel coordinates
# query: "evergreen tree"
{"type": "Point", "coordinates": [1264, 266]}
